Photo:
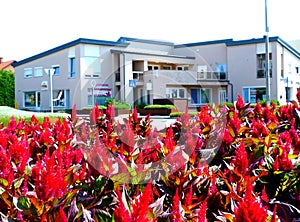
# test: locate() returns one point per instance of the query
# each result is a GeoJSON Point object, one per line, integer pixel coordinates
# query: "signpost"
{"type": "Point", "coordinates": [132, 84]}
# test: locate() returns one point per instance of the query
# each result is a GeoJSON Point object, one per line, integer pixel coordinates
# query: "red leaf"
{"type": "Point", "coordinates": [61, 217]}
{"type": "Point", "coordinates": [202, 212]}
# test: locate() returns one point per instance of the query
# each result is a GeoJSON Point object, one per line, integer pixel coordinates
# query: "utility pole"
{"type": "Point", "coordinates": [267, 70]}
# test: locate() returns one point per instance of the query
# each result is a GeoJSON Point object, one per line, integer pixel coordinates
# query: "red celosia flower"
{"type": "Point", "coordinates": [121, 213]}
{"type": "Point", "coordinates": [240, 160]}
{"type": "Point", "coordinates": [175, 216]}
{"type": "Point", "coordinates": [250, 209]}
{"type": "Point", "coordinates": [140, 205]}
{"type": "Point", "coordinates": [239, 103]}
{"type": "Point", "coordinates": [202, 212]}
{"type": "Point", "coordinates": [61, 217]}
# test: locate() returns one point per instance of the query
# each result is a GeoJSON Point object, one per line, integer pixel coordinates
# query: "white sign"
{"type": "Point", "coordinates": [44, 85]}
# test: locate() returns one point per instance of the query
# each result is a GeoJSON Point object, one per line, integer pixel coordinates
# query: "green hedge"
{"type": "Point", "coordinates": [156, 106]}
{"type": "Point", "coordinates": [117, 104]}
{"type": "Point", "coordinates": [178, 114]}
{"type": "Point", "coordinates": [91, 107]}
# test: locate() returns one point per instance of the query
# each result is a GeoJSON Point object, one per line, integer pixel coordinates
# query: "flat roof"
{"type": "Point", "coordinates": [68, 45]}
{"type": "Point", "coordinates": [151, 54]}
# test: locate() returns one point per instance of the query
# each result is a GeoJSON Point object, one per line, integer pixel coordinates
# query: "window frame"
{"type": "Point", "coordinates": [72, 67]}
{"type": "Point", "coordinates": [169, 92]}
{"type": "Point", "coordinates": [199, 96]}
{"type": "Point", "coordinates": [96, 73]}
{"type": "Point", "coordinates": [37, 99]}
{"type": "Point", "coordinates": [29, 75]}
{"type": "Point", "coordinates": [38, 69]}
{"type": "Point", "coordinates": [56, 69]}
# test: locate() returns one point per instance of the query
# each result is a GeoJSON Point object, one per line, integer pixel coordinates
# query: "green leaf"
{"type": "Point", "coordinates": [22, 203]}
{"type": "Point", "coordinates": [1, 190]}
{"type": "Point", "coordinates": [3, 182]}
{"type": "Point", "coordinates": [18, 182]}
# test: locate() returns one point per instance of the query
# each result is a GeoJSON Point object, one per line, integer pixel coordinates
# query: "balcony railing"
{"type": "Point", "coordinates": [220, 76]}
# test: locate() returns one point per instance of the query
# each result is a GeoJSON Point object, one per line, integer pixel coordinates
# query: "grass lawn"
{"type": "Point", "coordinates": [7, 112]}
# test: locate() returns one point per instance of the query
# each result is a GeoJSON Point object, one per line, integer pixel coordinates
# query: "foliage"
{"type": "Point", "coordinates": [158, 106]}
{"type": "Point", "coordinates": [141, 105]}
{"type": "Point", "coordinates": [7, 112]}
{"type": "Point", "coordinates": [91, 107]}
{"type": "Point", "coordinates": [245, 168]}
{"type": "Point", "coordinates": [117, 104]}
{"type": "Point", "coordinates": [263, 102]}
{"type": "Point", "coordinates": [7, 88]}
{"type": "Point", "coordinates": [178, 114]}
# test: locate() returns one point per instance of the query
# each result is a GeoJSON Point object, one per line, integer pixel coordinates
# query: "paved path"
{"type": "Point", "coordinates": [160, 122]}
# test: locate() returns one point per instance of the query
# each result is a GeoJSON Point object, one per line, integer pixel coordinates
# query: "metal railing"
{"type": "Point", "coordinates": [212, 76]}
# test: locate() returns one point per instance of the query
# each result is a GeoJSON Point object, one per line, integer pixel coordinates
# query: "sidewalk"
{"type": "Point", "coordinates": [160, 122]}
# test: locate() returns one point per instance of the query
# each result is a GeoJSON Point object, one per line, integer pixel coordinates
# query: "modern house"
{"type": "Point", "coordinates": [86, 71]}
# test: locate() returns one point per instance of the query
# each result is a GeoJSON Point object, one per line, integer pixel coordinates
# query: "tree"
{"type": "Point", "coordinates": [7, 88]}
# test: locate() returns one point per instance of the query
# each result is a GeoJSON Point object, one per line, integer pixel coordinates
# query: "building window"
{"type": "Point", "coordinates": [56, 70]}
{"type": "Point", "coordinates": [153, 67]}
{"type": "Point", "coordinates": [185, 68]}
{"type": "Point", "coordinates": [32, 99]}
{"type": "Point", "coordinates": [38, 71]}
{"type": "Point", "coordinates": [72, 68]}
{"type": "Point", "coordinates": [261, 65]}
{"type": "Point", "coordinates": [297, 70]}
{"type": "Point", "coordinates": [166, 67]}
{"type": "Point", "coordinates": [200, 96]}
{"type": "Point", "coordinates": [59, 98]}
{"type": "Point", "coordinates": [101, 92]}
{"type": "Point", "coordinates": [28, 73]}
{"type": "Point", "coordinates": [254, 94]}
{"type": "Point", "coordinates": [175, 92]}
{"type": "Point", "coordinates": [90, 67]}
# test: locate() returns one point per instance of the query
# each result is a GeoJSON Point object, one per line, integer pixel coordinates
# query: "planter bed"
{"type": "Point", "coordinates": [155, 112]}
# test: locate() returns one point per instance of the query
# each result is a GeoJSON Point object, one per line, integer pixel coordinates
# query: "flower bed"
{"type": "Point", "coordinates": [237, 163]}
{"type": "Point", "coordinates": [154, 110]}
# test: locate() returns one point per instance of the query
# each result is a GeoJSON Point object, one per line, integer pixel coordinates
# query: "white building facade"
{"type": "Point", "coordinates": [88, 71]}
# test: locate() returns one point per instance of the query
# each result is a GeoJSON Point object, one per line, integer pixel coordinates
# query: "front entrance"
{"type": "Point", "coordinates": [222, 96]}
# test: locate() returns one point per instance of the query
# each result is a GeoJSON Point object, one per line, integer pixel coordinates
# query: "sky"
{"type": "Point", "coordinates": [34, 26]}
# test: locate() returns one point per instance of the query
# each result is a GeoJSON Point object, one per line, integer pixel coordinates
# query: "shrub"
{"type": "Point", "coordinates": [117, 104]}
{"type": "Point", "coordinates": [244, 168]}
{"type": "Point", "coordinates": [157, 106]}
{"type": "Point", "coordinates": [91, 107]}
{"type": "Point", "coordinates": [178, 114]}
{"type": "Point", "coordinates": [141, 105]}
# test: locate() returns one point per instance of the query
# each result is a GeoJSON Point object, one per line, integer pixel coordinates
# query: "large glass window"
{"type": "Point", "coordinates": [58, 98]}
{"type": "Point", "coordinates": [32, 99]}
{"type": "Point", "coordinates": [38, 71]}
{"type": "Point", "coordinates": [254, 94]}
{"type": "Point", "coordinates": [91, 66]}
{"type": "Point", "coordinates": [28, 72]}
{"type": "Point", "coordinates": [99, 94]}
{"type": "Point", "coordinates": [72, 68]}
{"type": "Point", "coordinates": [200, 96]}
{"type": "Point", "coordinates": [175, 92]}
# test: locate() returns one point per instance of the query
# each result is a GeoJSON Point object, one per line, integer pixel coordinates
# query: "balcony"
{"type": "Point", "coordinates": [215, 76]}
